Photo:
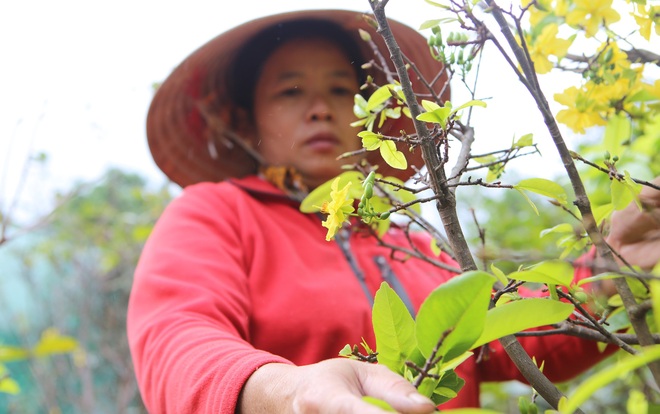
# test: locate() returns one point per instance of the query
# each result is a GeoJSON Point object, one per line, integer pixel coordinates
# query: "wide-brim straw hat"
{"type": "Point", "coordinates": [188, 121]}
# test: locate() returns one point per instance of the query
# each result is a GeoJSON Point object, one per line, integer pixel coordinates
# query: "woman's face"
{"type": "Point", "coordinates": [303, 107]}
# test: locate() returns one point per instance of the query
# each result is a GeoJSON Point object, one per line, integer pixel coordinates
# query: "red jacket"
{"type": "Point", "coordinates": [234, 276]}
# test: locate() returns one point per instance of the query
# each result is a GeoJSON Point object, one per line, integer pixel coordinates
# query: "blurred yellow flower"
{"type": "Point", "coordinates": [338, 209]}
{"type": "Point", "coordinates": [582, 112]}
{"type": "Point", "coordinates": [545, 45]}
{"type": "Point", "coordinates": [590, 14]}
{"type": "Point", "coordinates": [647, 19]}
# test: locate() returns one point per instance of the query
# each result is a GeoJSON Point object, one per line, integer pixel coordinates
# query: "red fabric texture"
{"type": "Point", "coordinates": [234, 277]}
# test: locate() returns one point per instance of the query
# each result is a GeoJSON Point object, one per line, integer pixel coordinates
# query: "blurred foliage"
{"type": "Point", "coordinates": [78, 270]}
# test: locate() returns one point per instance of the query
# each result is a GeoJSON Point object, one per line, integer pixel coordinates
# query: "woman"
{"type": "Point", "coordinates": [239, 304]}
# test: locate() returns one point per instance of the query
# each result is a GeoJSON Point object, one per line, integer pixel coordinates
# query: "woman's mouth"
{"type": "Point", "coordinates": [322, 142]}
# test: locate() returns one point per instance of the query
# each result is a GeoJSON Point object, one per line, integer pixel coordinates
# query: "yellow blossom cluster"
{"type": "Point", "coordinates": [648, 19]}
{"type": "Point", "coordinates": [338, 208]}
{"type": "Point", "coordinates": [613, 86]}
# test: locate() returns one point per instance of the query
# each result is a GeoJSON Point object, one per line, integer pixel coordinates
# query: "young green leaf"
{"type": "Point", "coordinates": [384, 405]}
{"type": "Point", "coordinates": [392, 156]}
{"type": "Point", "coordinates": [468, 104]}
{"type": "Point", "coordinates": [618, 129]}
{"type": "Point", "coordinates": [380, 96]}
{"type": "Point", "coordinates": [524, 141]}
{"type": "Point", "coordinates": [394, 328]}
{"type": "Point", "coordinates": [370, 140]}
{"type": "Point", "coordinates": [519, 315]}
{"type": "Point", "coordinates": [551, 272]}
{"type": "Point", "coordinates": [544, 187]}
{"type": "Point", "coordinates": [457, 308]}
{"type": "Point", "coordinates": [606, 376]}
{"type": "Point", "coordinates": [529, 200]}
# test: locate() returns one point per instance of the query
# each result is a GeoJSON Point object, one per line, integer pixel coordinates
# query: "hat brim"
{"type": "Point", "coordinates": [190, 146]}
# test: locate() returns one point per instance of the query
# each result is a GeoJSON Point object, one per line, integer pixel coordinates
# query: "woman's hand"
{"type": "Point", "coordinates": [635, 234]}
{"type": "Point", "coordinates": [331, 386]}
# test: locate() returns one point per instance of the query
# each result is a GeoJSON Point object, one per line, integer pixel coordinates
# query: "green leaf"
{"type": "Point", "coordinates": [468, 104]}
{"type": "Point", "coordinates": [520, 315]}
{"type": "Point", "coordinates": [428, 385]}
{"type": "Point", "coordinates": [392, 156]}
{"type": "Point", "coordinates": [360, 106]}
{"type": "Point", "coordinates": [346, 351]}
{"type": "Point", "coordinates": [394, 328]}
{"type": "Point", "coordinates": [544, 187]}
{"type": "Point", "coordinates": [559, 228]}
{"type": "Point", "coordinates": [436, 4]}
{"type": "Point", "coordinates": [448, 387]}
{"type": "Point", "coordinates": [551, 272]}
{"type": "Point", "coordinates": [524, 141]}
{"type": "Point", "coordinates": [600, 276]}
{"type": "Point", "coordinates": [370, 140]}
{"type": "Point", "coordinates": [378, 403]}
{"type": "Point", "coordinates": [435, 113]}
{"type": "Point", "coordinates": [499, 274]}
{"type": "Point", "coordinates": [606, 376]}
{"type": "Point", "coordinates": [618, 129]}
{"type": "Point", "coordinates": [380, 96]}
{"type": "Point", "coordinates": [432, 23]}
{"type": "Point", "coordinates": [529, 200]}
{"type": "Point", "coordinates": [458, 307]}
{"type": "Point", "coordinates": [624, 192]}
{"type": "Point", "coordinates": [602, 212]}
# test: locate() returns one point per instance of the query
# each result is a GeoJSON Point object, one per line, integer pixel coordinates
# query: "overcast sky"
{"type": "Point", "coordinates": [77, 76]}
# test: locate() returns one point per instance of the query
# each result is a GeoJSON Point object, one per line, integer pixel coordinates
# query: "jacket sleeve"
{"type": "Point", "coordinates": [188, 314]}
{"type": "Point", "coordinates": [563, 356]}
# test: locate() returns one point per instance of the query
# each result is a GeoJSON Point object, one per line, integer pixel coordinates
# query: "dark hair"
{"type": "Point", "coordinates": [243, 74]}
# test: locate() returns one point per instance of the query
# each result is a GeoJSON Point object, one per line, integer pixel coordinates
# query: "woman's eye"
{"type": "Point", "coordinates": [291, 91]}
{"type": "Point", "coordinates": [340, 90]}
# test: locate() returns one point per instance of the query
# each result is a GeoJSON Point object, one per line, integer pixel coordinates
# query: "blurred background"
{"type": "Point", "coordinates": [79, 191]}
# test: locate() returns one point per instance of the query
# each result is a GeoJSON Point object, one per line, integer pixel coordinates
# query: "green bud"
{"type": "Point", "coordinates": [368, 190]}
{"type": "Point", "coordinates": [370, 178]}
{"type": "Point", "coordinates": [385, 215]}
{"type": "Point", "coordinates": [580, 297]}
{"type": "Point", "coordinates": [615, 158]}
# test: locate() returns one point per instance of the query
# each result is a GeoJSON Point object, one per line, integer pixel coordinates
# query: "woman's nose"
{"type": "Point", "coordinates": [319, 110]}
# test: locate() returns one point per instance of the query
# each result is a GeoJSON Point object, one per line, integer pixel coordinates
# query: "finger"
{"type": "Point", "coordinates": [380, 382]}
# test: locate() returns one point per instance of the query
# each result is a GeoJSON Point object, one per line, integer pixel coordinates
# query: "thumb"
{"type": "Point", "coordinates": [380, 382]}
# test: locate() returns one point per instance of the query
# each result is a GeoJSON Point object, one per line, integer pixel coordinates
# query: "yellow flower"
{"type": "Point", "coordinates": [582, 112]}
{"type": "Point", "coordinates": [543, 8]}
{"type": "Point", "coordinates": [589, 14]}
{"type": "Point", "coordinates": [338, 209]}
{"type": "Point", "coordinates": [646, 19]}
{"type": "Point", "coordinates": [547, 44]}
